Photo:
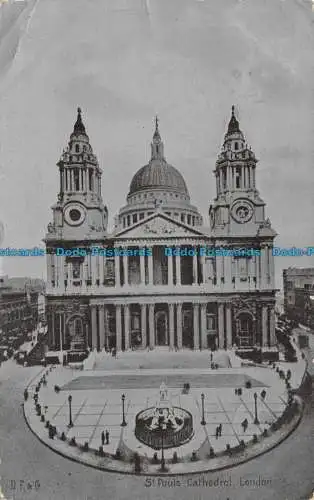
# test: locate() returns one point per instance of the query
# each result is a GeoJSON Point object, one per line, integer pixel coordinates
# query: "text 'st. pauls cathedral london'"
{"type": "Point", "coordinates": [157, 279]}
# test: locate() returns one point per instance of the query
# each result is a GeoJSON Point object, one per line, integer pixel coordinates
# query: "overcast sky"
{"type": "Point", "coordinates": [123, 61]}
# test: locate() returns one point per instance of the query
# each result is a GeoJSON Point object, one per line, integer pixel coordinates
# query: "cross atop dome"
{"type": "Point", "coordinates": [156, 136]}
{"type": "Point", "coordinates": [233, 124]}
{"type": "Point", "coordinates": [79, 127]}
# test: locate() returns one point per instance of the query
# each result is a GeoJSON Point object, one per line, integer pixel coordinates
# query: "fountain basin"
{"type": "Point", "coordinates": [178, 427]}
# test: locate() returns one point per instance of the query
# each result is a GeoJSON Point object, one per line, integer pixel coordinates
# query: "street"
{"type": "Point", "coordinates": [29, 470]}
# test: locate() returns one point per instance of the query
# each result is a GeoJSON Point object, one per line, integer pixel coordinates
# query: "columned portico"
{"type": "Point", "coordinates": [143, 297]}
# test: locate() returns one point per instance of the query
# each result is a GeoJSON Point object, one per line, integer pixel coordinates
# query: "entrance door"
{"type": "Point", "coordinates": [161, 328]}
{"type": "Point", "coordinates": [245, 330]}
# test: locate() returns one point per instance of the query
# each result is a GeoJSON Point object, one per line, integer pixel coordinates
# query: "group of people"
{"type": "Point", "coordinates": [105, 437]}
{"type": "Point", "coordinates": [218, 431]}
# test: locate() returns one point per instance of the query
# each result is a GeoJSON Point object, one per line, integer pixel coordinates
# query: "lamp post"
{"type": "Point", "coordinates": [256, 421]}
{"type": "Point", "coordinates": [123, 423]}
{"type": "Point", "coordinates": [162, 426]}
{"type": "Point", "coordinates": [70, 411]}
{"type": "Point", "coordinates": [203, 422]}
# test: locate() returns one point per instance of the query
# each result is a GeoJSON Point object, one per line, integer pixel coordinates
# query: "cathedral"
{"type": "Point", "coordinates": [160, 277]}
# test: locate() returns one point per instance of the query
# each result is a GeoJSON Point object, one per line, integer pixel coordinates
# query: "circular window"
{"type": "Point", "coordinates": [75, 214]}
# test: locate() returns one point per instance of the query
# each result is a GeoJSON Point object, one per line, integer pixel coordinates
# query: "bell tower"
{"type": "Point", "coordinates": [238, 210]}
{"type": "Point", "coordinates": [79, 216]}
{"type": "Point", "coordinates": [79, 213]}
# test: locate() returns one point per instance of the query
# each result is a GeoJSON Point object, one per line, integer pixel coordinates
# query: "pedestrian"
{"type": "Point", "coordinates": [244, 424]}
{"type": "Point", "coordinates": [220, 430]}
{"type": "Point", "coordinates": [107, 436]}
{"type": "Point", "coordinates": [102, 438]}
{"type": "Point", "coordinates": [25, 395]}
{"type": "Point", "coordinates": [217, 432]}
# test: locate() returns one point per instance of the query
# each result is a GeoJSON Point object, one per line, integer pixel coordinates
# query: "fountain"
{"type": "Point", "coordinates": [164, 423]}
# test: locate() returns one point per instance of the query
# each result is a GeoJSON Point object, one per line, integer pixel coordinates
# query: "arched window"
{"type": "Point", "coordinates": [77, 148]}
{"type": "Point", "coordinates": [236, 145]}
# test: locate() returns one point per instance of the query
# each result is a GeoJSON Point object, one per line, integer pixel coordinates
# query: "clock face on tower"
{"type": "Point", "coordinates": [74, 214]}
{"type": "Point", "coordinates": [242, 211]}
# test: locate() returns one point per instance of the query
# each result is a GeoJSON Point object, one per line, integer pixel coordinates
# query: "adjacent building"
{"type": "Point", "coordinates": [160, 277]}
{"type": "Point", "coordinates": [18, 312]}
{"type": "Point", "coordinates": [298, 286]}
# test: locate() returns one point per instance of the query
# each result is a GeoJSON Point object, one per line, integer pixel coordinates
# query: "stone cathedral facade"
{"type": "Point", "coordinates": [161, 277]}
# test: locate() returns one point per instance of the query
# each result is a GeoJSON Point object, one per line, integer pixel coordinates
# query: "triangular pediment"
{"type": "Point", "coordinates": [160, 226]}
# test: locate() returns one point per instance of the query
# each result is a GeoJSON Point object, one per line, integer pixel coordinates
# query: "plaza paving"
{"type": "Point", "coordinates": [96, 405]}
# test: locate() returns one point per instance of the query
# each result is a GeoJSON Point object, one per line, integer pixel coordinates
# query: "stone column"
{"type": "Point", "coordinates": [150, 269]}
{"type": "Point", "coordinates": [94, 327]}
{"type": "Point", "coordinates": [221, 326]}
{"type": "Point", "coordinates": [71, 179]}
{"type": "Point", "coordinates": [49, 269]}
{"type": "Point", "coordinates": [203, 326]}
{"type": "Point", "coordinates": [271, 268]}
{"type": "Point", "coordinates": [195, 274]}
{"type": "Point", "coordinates": [125, 270]}
{"type": "Point", "coordinates": [203, 268]}
{"type": "Point", "coordinates": [229, 326]}
{"type": "Point", "coordinates": [219, 269]}
{"type": "Point", "coordinates": [151, 317]}
{"type": "Point", "coordinates": [272, 326]}
{"type": "Point", "coordinates": [143, 325]}
{"type": "Point", "coordinates": [171, 326]}
{"type": "Point", "coordinates": [179, 326]}
{"type": "Point", "coordinates": [118, 328]}
{"type": "Point", "coordinates": [101, 269]}
{"type": "Point", "coordinates": [264, 326]}
{"type": "Point", "coordinates": [264, 269]}
{"type": "Point", "coordinates": [53, 328]}
{"type": "Point", "coordinates": [142, 269]}
{"type": "Point", "coordinates": [178, 270]}
{"type": "Point", "coordinates": [196, 331]}
{"type": "Point", "coordinates": [117, 271]}
{"type": "Point", "coordinates": [170, 270]}
{"type": "Point", "coordinates": [101, 327]}
{"type": "Point", "coordinates": [126, 327]}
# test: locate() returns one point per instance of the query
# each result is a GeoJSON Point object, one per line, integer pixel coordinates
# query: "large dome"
{"type": "Point", "coordinates": [158, 174]}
